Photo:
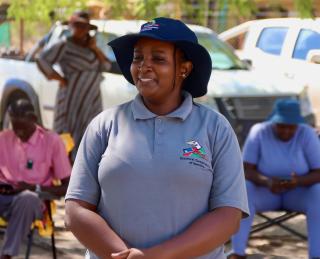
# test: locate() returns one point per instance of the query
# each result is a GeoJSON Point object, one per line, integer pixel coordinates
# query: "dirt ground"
{"type": "Point", "coordinates": [272, 243]}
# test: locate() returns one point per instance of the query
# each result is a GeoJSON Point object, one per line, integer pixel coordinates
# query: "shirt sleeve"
{"type": "Point", "coordinates": [228, 187]}
{"type": "Point", "coordinates": [84, 183]}
{"type": "Point", "coordinates": [251, 148]}
{"type": "Point", "coordinates": [50, 57]}
{"type": "Point", "coordinates": [60, 160]}
{"type": "Point", "coordinates": [312, 148]}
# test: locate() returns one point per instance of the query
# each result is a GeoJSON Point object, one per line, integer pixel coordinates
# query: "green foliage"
{"type": "Point", "coordinates": [243, 8]}
{"type": "Point", "coordinates": [304, 8]}
{"type": "Point", "coordinates": [119, 8]}
{"type": "Point", "coordinates": [147, 9]}
{"type": "Point", "coordinates": [197, 12]}
{"type": "Point", "coordinates": [38, 10]}
{"type": "Point", "coordinates": [139, 9]}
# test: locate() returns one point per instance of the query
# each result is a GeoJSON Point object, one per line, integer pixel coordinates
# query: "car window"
{"type": "Point", "coordinates": [221, 54]}
{"type": "Point", "coordinates": [57, 36]}
{"type": "Point", "coordinates": [237, 42]}
{"type": "Point", "coordinates": [271, 40]}
{"type": "Point", "coordinates": [102, 42]}
{"type": "Point", "coordinates": [65, 34]}
{"type": "Point", "coordinates": [307, 40]}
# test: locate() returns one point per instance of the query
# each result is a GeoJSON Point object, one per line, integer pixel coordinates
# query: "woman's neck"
{"type": "Point", "coordinates": [80, 41]}
{"type": "Point", "coordinates": [162, 109]}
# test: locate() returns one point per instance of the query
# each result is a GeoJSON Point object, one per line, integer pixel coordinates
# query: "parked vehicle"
{"type": "Point", "coordinates": [285, 46]}
{"type": "Point", "coordinates": [243, 95]}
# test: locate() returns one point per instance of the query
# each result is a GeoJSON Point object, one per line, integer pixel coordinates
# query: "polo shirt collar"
{"type": "Point", "coordinates": [141, 112]}
{"type": "Point", "coordinates": [35, 136]}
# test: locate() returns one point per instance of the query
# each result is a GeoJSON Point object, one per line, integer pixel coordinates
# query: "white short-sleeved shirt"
{"type": "Point", "coordinates": [151, 176]}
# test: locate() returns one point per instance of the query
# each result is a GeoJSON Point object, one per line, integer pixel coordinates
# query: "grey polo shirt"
{"type": "Point", "coordinates": [152, 176]}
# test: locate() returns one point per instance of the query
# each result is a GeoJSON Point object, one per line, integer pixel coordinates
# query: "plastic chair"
{"type": "Point", "coordinates": [46, 226]}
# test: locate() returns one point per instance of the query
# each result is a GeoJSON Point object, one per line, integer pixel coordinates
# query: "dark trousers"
{"type": "Point", "coordinates": [20, 210]}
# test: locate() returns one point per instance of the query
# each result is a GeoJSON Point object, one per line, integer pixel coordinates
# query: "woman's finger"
{"type": "Point", "coordinates": [120, 255]}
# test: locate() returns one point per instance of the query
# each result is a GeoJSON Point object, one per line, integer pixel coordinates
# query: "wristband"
{"type": "Point", "coordinates": [38, 188]}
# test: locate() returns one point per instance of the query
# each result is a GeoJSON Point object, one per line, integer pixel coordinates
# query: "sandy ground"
{"type": "Point", "coordinates": [267, 244]}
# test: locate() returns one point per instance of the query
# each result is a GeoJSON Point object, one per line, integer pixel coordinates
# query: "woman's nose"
{"type": "Point", "coordinates": [144, 65]}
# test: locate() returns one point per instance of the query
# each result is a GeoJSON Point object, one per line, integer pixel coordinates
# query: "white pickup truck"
{"type": "Point", "coordinates": [284, 46]}
{"type": "Point", "coordinates": [243, 95]}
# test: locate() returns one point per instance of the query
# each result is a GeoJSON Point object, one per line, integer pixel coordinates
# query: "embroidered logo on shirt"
{"type": "Point", "coordinates": [195, 150]}
{"type": "Point", "coordinates": [152, 25]}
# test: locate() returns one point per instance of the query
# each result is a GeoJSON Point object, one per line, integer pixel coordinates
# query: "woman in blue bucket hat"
{"type": "Point", "coordinates": [159, 176]}
{"type": "Point", "coordinates": [282, 167]}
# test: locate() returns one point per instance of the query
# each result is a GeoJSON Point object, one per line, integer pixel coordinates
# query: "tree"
{"type": "Point", "coordinates": [246, 8]}
{"type": "Point", "coordinates": [242, 8]}
{"type": "Point", "coordinates": [117, 8]}
{"type": "Point", "coordinates": [26, 12]}
{"type": "Point", "coordinates": [39, 10]}
{"type": "Point", "coordinates": [304, 8]}
{"type": "Point", "coordinates": [133, 9]}
{"type": "Point", "coordinates": [147, 9]}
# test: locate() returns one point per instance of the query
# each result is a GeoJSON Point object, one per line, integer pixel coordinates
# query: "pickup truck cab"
{"type": "Point", "coordinates": [242, 94]}
{"type": "Point", "coordinates": [288, 47]}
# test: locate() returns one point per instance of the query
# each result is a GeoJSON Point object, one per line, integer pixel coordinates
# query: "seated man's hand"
{"type": "Point", "coordinates": [7, 189]}
{"type": "Point", "coordinates": [22, 186]}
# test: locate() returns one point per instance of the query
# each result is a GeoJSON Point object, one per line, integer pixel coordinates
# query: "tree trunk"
{"type": "Point", "coordinates": [21, 50]}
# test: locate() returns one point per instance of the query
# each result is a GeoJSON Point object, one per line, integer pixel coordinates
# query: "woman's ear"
{"type": "Point", "coordinates": [186, 68]}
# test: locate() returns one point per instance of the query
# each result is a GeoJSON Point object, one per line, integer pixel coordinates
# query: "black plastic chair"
{"type": "Point", "coordinates": [278, 221]}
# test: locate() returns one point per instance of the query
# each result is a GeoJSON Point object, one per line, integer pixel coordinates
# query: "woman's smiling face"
{"type": "Point", "coordinates": [157, 71]}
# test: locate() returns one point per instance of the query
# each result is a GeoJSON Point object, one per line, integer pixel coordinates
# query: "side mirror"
{"type": "Point", "coordinates": [314, 56]}
{"type": "Point", "coordinates": [248, 62]}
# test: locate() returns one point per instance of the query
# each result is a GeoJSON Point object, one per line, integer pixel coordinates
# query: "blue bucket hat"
{"type": "Point", "coordinates": [176, 32]}
{"type": "Point", "coordinates": [286, 111]}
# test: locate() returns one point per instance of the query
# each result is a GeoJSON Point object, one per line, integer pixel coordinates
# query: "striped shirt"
{"type": "Point", "coordinates": [80, 101]}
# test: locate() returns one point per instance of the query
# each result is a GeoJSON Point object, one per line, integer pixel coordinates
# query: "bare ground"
{"type": "Point", "coordinates": [272, 243]}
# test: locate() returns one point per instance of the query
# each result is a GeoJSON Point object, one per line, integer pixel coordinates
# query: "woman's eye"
{"type": "Point", "coordinates": [137, 58]}
{"type": "Point", "coordinates": [159, 59]}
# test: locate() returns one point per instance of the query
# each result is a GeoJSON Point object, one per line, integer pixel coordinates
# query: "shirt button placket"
{"type": "Point", "coordinates": [158, 133]}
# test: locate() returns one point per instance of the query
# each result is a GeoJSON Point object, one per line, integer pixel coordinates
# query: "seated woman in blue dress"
{"type": "Point", "coordinates": [282, 168]}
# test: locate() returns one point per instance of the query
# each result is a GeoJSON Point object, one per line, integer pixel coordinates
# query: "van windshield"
{"type": "Point", "coordinates": [222, 56]}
